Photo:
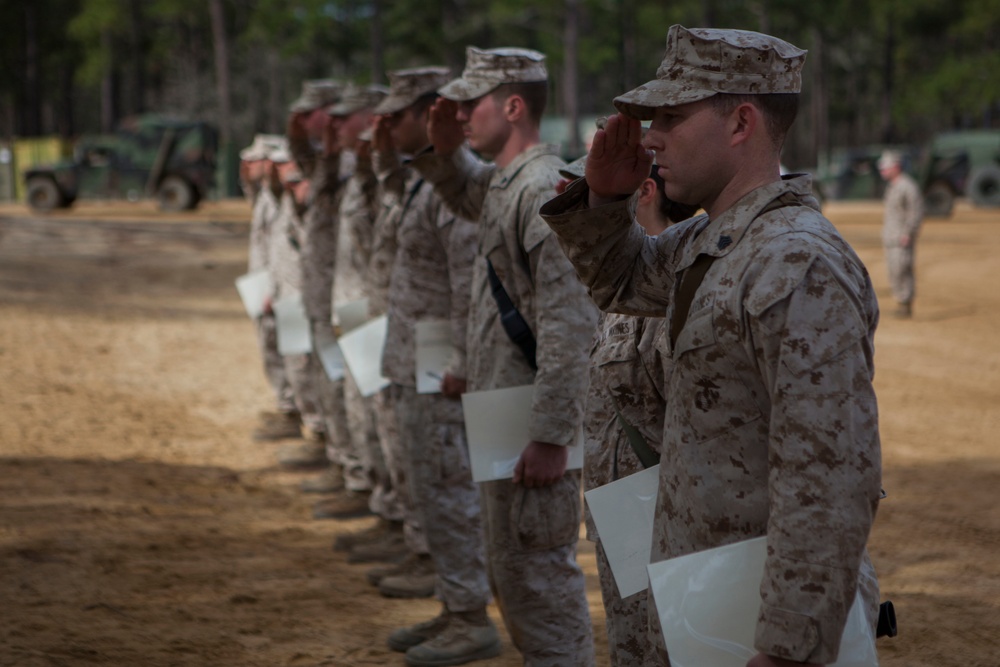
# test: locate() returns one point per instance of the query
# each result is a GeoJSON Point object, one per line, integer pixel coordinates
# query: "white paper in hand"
{"type": "Point", "coordinates": [351, 315]}
{"type": "Point", "coordinates": [623, 513]}
{"type": "Point", "coordinates": [708, 602]}
{"type": "Point", "coordinates": [330, 355]}
{"type": "Point", "coordinates": [496, 425]}
{"type": "Point", "coordinates": [254, 288]}
{"type": "Point", "coordinates": [293, 325]}
{"type": "Point", "coordinates": [362, 349]}
{"type": "Point", "coordinates": [433, 351]}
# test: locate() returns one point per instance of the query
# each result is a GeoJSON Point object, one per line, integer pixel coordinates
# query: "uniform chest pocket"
{"type": "Point", "coordinates": [706, 384]}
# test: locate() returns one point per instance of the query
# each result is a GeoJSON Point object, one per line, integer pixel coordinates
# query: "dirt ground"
{"type": "Point", "coordinates": [140, 525]}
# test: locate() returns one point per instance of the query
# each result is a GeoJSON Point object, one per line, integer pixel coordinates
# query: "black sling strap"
{"type": "Point", "coordinates": [695, 274]}
{"type": "Point", "coordinates": [647, 457]}
{"type": "Point", "coordinates": [511, 319]}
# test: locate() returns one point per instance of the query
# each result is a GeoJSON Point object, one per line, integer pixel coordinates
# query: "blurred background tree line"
{"type": "Point", "coordinates": [877, 70]}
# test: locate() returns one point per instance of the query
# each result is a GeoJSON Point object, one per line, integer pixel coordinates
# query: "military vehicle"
{"type": "Point", "coordinates": [149, 156]}
{"type": "Point", "coordinates": [963, 163]}
{"type": "Point", "coordinates": [852, 173]}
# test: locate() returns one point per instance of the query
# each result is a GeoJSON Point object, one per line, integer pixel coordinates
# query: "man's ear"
{"type": "Point", "coordinates": [744, 121]}
{"type": "Point", "coordinates": [514, 108]}
{"type": "Point", "coordinates": [647, 191]}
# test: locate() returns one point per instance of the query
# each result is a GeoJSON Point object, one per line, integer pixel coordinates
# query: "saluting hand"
{"type": "Point", "coordinates": [297, 126]}
{"type": "Point", "coordinates": [443, 127]}
{"type": "Point", "coordinates": [617, 163]}
{"type": "Point", "coordinates": [382, 137]}
{"type": "Point", "coordinates": [331, 144]}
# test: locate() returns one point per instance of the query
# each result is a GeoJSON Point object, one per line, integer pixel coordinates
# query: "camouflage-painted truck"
{"type": "Point", "coordinates": [149, 156]}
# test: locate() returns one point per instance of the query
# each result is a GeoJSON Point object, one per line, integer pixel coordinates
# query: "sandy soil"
{"type": "Point", "coordinates": [140, 525]}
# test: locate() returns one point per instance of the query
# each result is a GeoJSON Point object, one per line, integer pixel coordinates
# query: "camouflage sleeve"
{"type": "Point", "coordinates": [913, 208]}
{"type": "Point", "coordinates": [565, 321]}
{"type": "Point", "coordinates": [461, 181]}
{"type": "Point", "coordinates": [624, 270]}
{"type": "Point", "coordinates": [258, 236]}
{"type": "Point", "coordinates": [824, 463]}
{"type": "Point", "coordinates": [390, 173]}
{"type": "Point", "coordinates": [460, 242]}
{"type": "Point", "coordinates": [357, 215]}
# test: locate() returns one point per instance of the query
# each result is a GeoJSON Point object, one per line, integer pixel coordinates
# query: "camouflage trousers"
{"type": "Point", "coordinates": [339, 446]}
{"type": "Point", "coordinates": [899, 262]}
{"type": "Point", "coordinates": [393, 500]}
{"type": "Point", "coordinates": [445, 497]}
{"type": "Point", "coordinates": [626, 620]}
{"type": "Point", "coordinates": [361, 421]}
{"type": "Point", "coordinates": [301, 373]}
{"type": "Point", "coordinates": [531, 543]}
{"type": "Point", "coordinates": [274, 365]}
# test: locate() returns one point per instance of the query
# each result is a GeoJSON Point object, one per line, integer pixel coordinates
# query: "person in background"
{"type": "Point", "coordinates": [904, 213]}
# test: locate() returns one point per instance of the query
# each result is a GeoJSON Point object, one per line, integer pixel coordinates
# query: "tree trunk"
{"type": "Point", "coordinates": [377, 43]}
{"type": "Point", "coordinates": [888, 131]}
{"type": "Point", "coordinates": [109, 110]}
{"type": "Point", "coordinates": [137, 96]}
{"type": "Point", "coordinates": [31, 118]}
{"type": "Point", "coordinates": [628, 47]}
{"type": "Point", "coordinates": [820, 148]}
{"type": "Point", "coordinates": [570, 100]}
{"type": "Point", "coordinates": [221, 70]}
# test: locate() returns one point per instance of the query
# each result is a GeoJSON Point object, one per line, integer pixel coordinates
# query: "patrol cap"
{"type": "Point", "coordinates": [701, 62]}
{"type": "Point", "coordinates": [406, 86]}
{"type": "Point", "coordinates": [258, 149]}
{"type": "Point", "coordinates": [890, 158]}
{"type": "Point", "coordinates": [316, 93]}
{"type": "Point", "coordinates": [486, 70]}
{"type": "Point", "coordinates": [356, 98]}
{"type": "Point", "coordinates": [279, 152]}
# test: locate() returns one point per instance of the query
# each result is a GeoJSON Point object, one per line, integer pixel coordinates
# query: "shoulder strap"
{"type": "Point", "coordinates": [511, 319]}
{"type": "Point", "coordinates": [647, 457]}
{"type": "Point", "coordinates": [695, 274]}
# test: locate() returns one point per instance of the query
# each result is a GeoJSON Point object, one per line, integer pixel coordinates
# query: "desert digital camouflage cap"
{"type": "Point", "coordinates": [279, 152]}
{"type": "Point", "coordinates": [261, 146]}
{"type": "Point", "coordinates": [890, 158]}
{"type": "Point", "coordinates": [356, 98]}
{"type": "Point", "coordinates": [701, 62]}
{"type": "Point", "coordinates": [486, 70]}
{"type": "Point", "coordinates": [316, 93]}
{"type": "Point", "coordinates": [406, 86]}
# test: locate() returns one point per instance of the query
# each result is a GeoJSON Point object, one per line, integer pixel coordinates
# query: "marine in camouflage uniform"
{"type": "Point", "coordinates": [771, 424]}
{"type": "Point", "coordinates": [369, 420]}
{"type": "Point", "coordinates": [904, 213]}
{"type": "Point", "coordinates": [284, 264]}
{"type": "Point", "coordinates": [263, 213]}
{"type": "Point", "coordinates": [531, 531]}
{"type": "Point", "coordinates": [430, 280]}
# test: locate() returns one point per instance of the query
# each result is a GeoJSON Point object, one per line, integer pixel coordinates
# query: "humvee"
{"type": "Point", "coordinates": [149, 156]}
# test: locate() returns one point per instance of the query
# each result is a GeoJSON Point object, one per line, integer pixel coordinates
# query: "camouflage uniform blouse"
{"type": "Point", "coordinates": [904, 210]}
{"type": "Point", "coordinates": [536, 275]}
{"type": "Point", "coordinates": [429, 279]}
{"type": "Point", "coordinates": [627, 371]}
{"type": "Point", "coordinates": [771, 423]}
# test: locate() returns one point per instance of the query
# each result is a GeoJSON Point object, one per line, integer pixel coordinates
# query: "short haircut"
{"type": "Point", "coordinates": [779, 110]}
{"type": "Point", "coordinates": [534, 93]}
{"type": "Point", "coordinates": [669, 209]}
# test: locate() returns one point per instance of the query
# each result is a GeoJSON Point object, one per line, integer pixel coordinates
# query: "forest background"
{"type": "Point", "coordinates": [878, 71]}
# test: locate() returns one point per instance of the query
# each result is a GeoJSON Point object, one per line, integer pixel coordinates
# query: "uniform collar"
{"type": "Point", "coordinates": [718, 237]}
{"type": "Point", "coordinates": [504, 177]}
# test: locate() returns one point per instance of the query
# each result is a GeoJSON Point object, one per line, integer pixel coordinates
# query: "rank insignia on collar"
{"type": "Point", "coordinates": [724, 242]}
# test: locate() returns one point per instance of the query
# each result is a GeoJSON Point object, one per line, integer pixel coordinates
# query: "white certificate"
{"type": "Point", "coordinates": [362, 349]}
{"type": "Point", "coordinates": [496, 424]}
{"type": "Point", "coordinates": [708, 601]}
{"type": "Point", "coordinates": [254, 288]}
{"type": "Point", "coordinates": [433, 352]}
{"type": "Point", "coordinates": [330, 355]}
{"type": "Point", "coordinates": [351, 315]}
{"type": "Point", "coordinates": [623, 513]}
{"type": "Point", "coordinates": [293, 325]}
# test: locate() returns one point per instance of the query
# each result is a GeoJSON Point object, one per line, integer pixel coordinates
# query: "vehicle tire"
{"type": "Point", "coordinates": [984, 186]}
{"type": "Point", "coordinates": [176, 194]}
{"type": "Point", "coordinates": [43, 194]}
{"type": "Point", "coordinates": [939, 200]}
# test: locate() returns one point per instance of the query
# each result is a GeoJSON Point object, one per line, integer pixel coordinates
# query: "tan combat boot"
{"type": "Point", "coordinates": [468, 637]}
{"type": "Point", "coordinates": [347, 505]}
{"type": "Point", "coordinates": [278, 426]}
{"type": "Point", "coordinates": [403, 639]}
{"type": "Point", "coordinates": [330, 480]}
{"type": "Point", "coordinates": [374, 533]}
{"type": "Point", "coordinates": [417, 580]}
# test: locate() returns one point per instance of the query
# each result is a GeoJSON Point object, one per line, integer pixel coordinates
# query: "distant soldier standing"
{"type": "Point", "coordinates": [904, 212]}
